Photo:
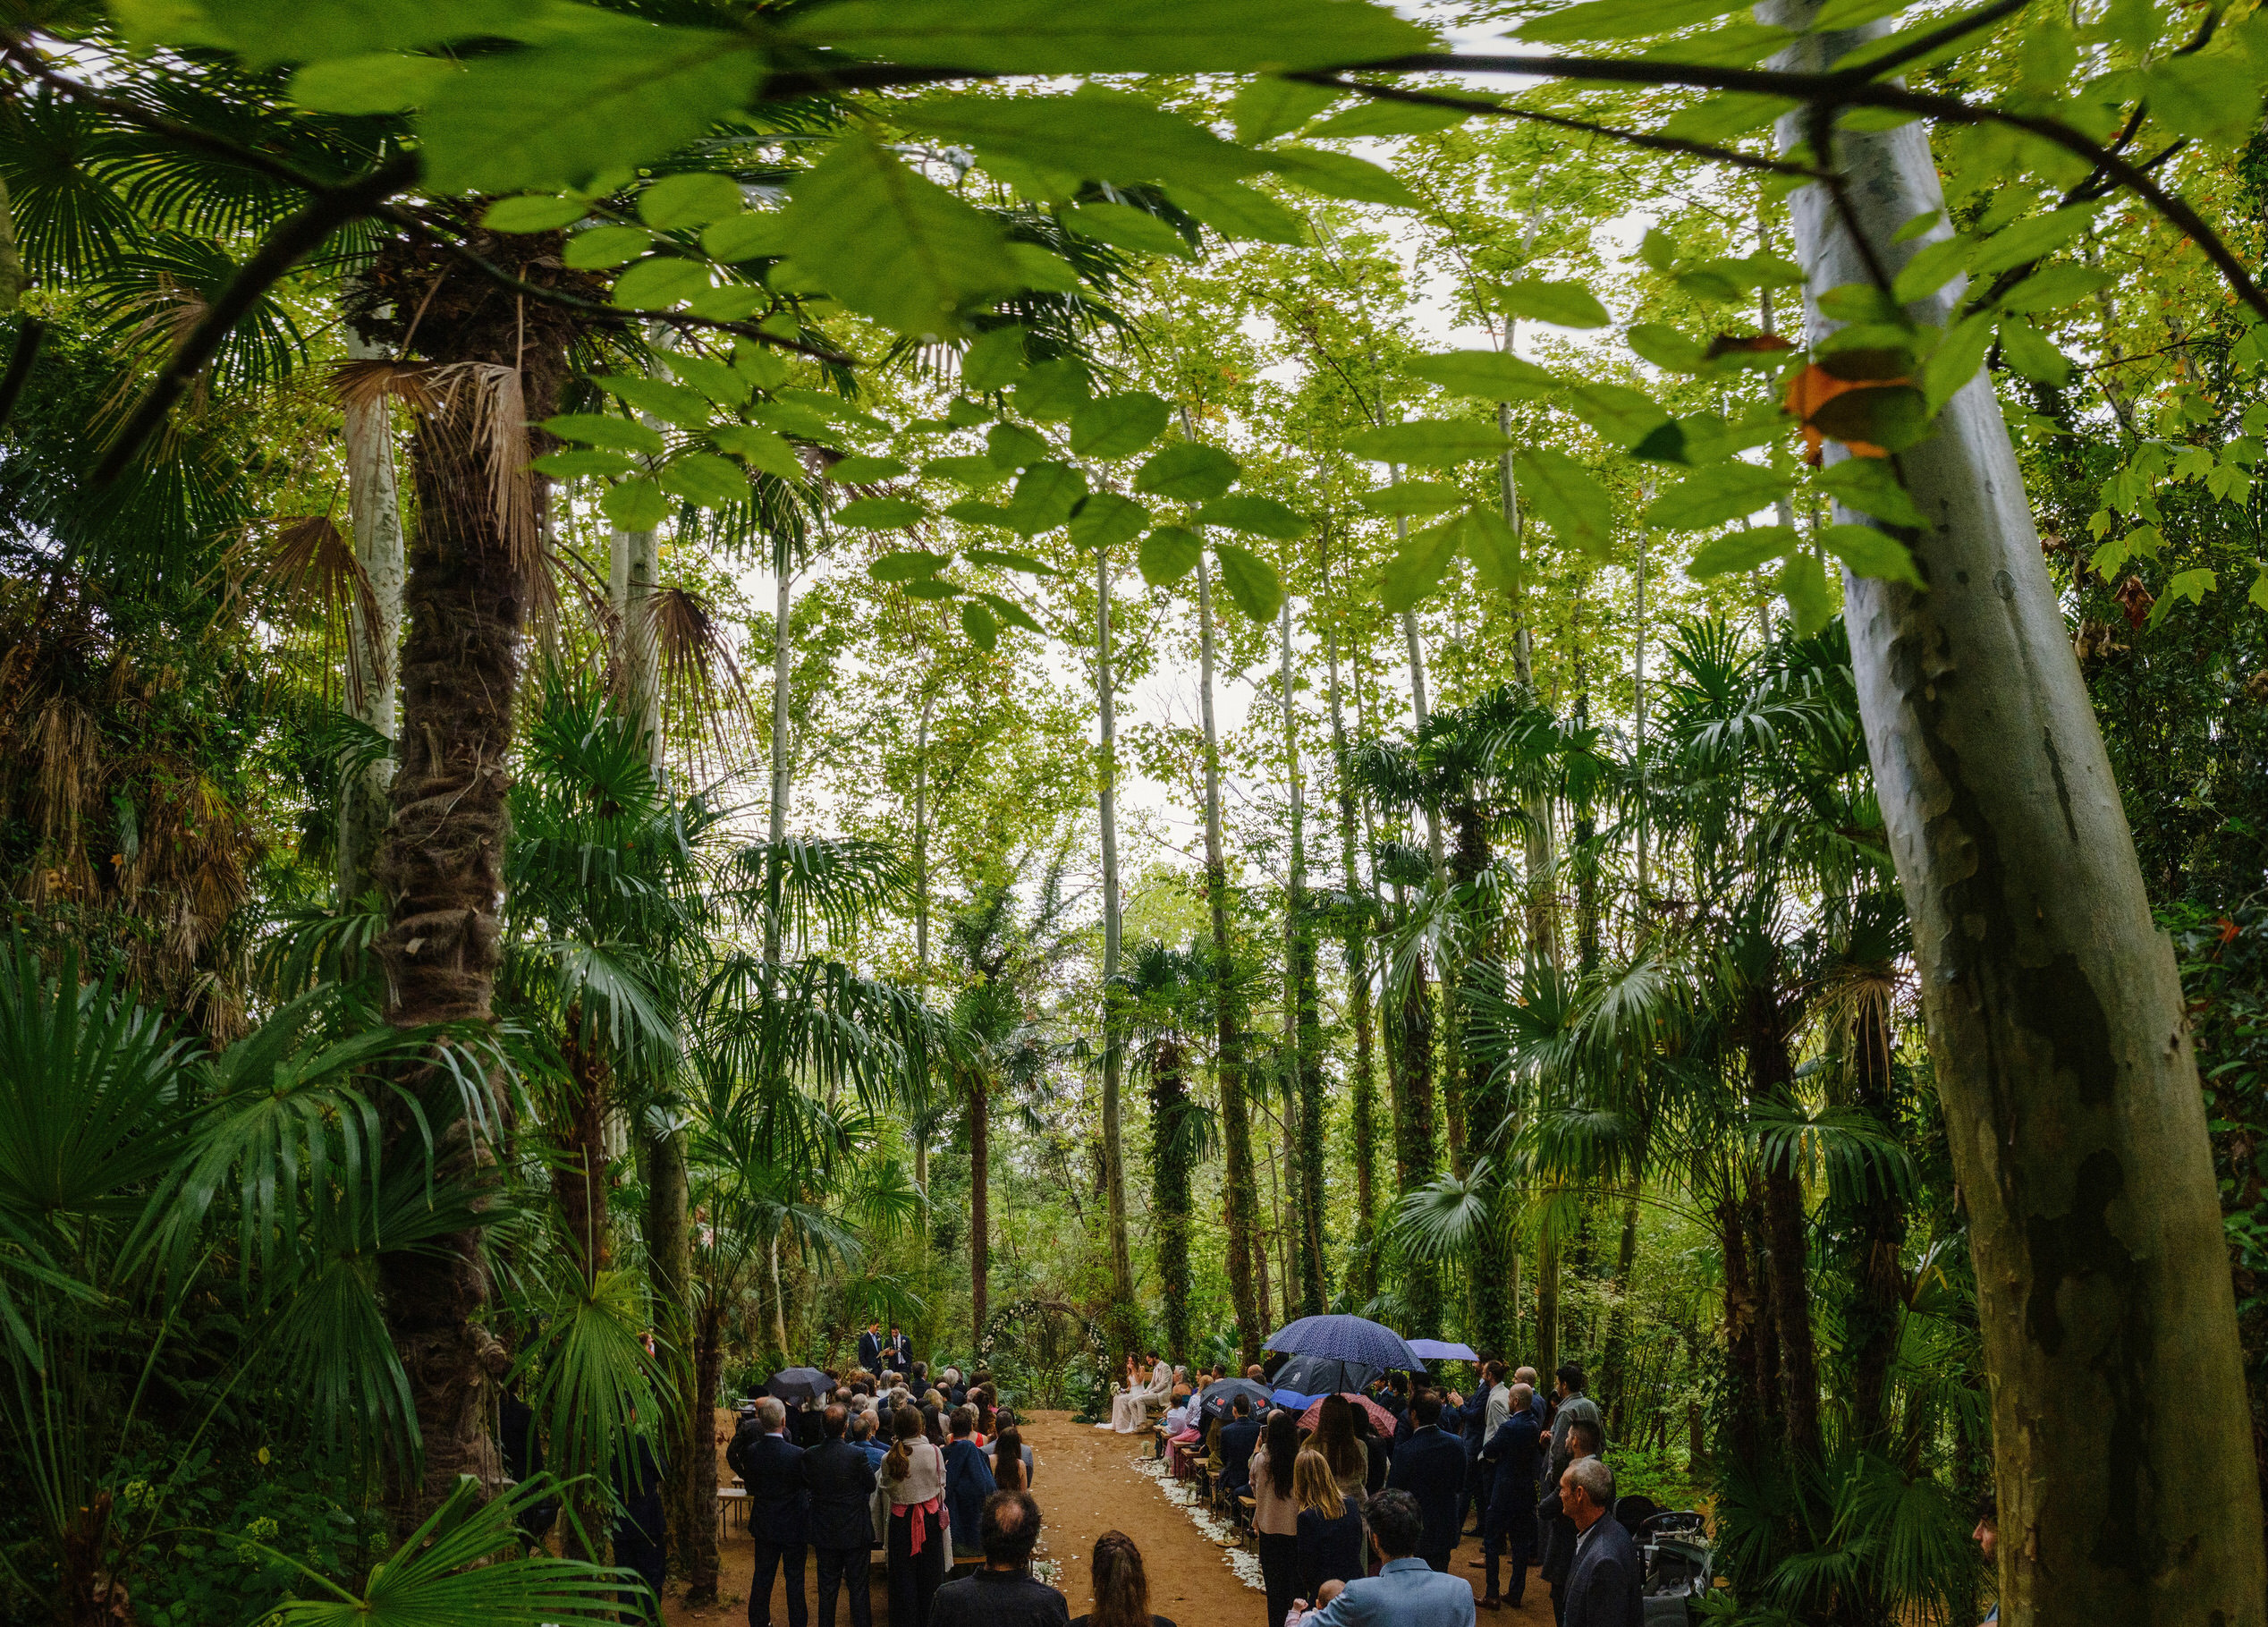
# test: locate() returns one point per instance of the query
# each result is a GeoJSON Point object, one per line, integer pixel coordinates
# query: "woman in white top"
{"type": "Point", "coordinates": [1130, 1406]}
{"type": "Point", "coordinates": [914, 1475]}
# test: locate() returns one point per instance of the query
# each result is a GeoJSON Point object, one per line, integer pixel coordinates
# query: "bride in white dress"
{"type": "Point", "coordinates": [1130, 1401]}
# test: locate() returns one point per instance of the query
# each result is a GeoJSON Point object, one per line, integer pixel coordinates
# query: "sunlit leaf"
{"type": "Point", "coordinates": [1169, 554]}
{"type": "Point", "coordinates": [1251, 582]}
{"type": "Point", "coordinates": [1189, 471]}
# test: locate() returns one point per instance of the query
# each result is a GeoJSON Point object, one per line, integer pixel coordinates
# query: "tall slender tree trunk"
{"type": "Point", "coordinates": [1170, 1189]}
{"type": "Point", "coordinates": [1547, 1304]}
{"type": "Point", "coordinates": [689, 1481]}
{"type": "Point", "coordinates": [1614, 1362]}
{"type": "Point", "coordinates": [1877, 1285]}
{"type": "Point", "coordinates": [979, 1089]}
{"type": "Point", "coordinates": [635, 573]}
{"type": "Point", "coordinates": [1123, 1329]}
{"type": "Point", "coordinates": [373, 621]}
{"type": "Point", "coordinates": [579, 1186]}
{"type": "Point", "coordinates": [913, 1133]}
{"type": "Point", "coordinates": [2128, 1487]}
{"type": "Point", "coordinates": [1238, 1176]}
{"type": "Point", "coordinates": [1362, 1101]}
{"type": "Point", "coordinates": [782, 673]}
{"type": "Point", "coordinates": [1302, 1030]}
{"type": "Point", "coordinates": [470, 574]}
{"type": "Point", "coordinates": [1414, 1050]}
{"type": "Point", "coordinates": [1787, 1228]}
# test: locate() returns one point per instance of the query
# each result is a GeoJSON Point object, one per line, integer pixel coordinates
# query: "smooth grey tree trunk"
{"type": "Point", "coordinates": [634, 574]}
{"type": "Point", "coordinates": [783, 665]}
{"type": "Point", "coordinates": [373, 628]}
{"type": "Point", "coordinates": [2124, 1445]}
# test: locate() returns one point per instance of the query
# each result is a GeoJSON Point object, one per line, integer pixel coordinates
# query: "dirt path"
{"type": "Point", "coordinates": [1087, 1483]}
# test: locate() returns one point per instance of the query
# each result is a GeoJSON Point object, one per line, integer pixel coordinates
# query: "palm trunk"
{"type": "Point", "coordinates": [1123, 1330]}
{"type": "Point", "coordinates": [441, 864]}
{"type": "Point", "coordinates": [579, 1187]}
{"type": "Point", "coordinates": [1362, 1094]}
{"type": "Point", "coordinates": [1877, 1285]}
{"type": "Point", "coordinates": [373, 621]}
{"type": "Point", "coordinates": [1238, 1175]}
{"type": "Point", "coordinates": [689, 1481]}
{"type": "Point", "coordinates": [1414, 1051]}
{"type": "Point", "coordinates": [782, 672]}
{"type": "Point", "coordinates": [634, 575]}
{"type": "Point", "coordinates": [980, 1203]}
{"type": "Point", "coordinates": [1547, 1305]}
{"type": "Point", "coordinates": [1303, 1030]}
{"type": "Point", "coordinates": [1170, 1191]}
{"type": "Point", "coordinates": [1787, 1229]}
{"type": "Point", "coordinates": [1614, 1358]}
{"type": "Point", "coordinates": [2128, 1485]}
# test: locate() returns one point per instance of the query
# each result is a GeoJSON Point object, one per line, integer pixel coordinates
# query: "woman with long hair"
{"type": "Point", "coordinates": [1330, 1524]}
{"type": "Point", "coordinates": [1122, 1587]}
{"type": "Point", "coordinates": [1374, 1448]}
{"type": "Point", "coordinates": [914, 1475]}
{"type": "Point", "coordinates": [1010, 1472]}
{"type": "Point", "coordinates": [1275, 1514]}
{"type": "Point", "coordinates": [1334, 1437]}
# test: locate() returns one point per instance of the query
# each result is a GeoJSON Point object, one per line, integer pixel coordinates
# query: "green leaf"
{"type": "Point", "coordinates": [1871, 486]}
{"type": "Point", "coordinates": [612, 92]}
{"type": "Point", "coordinates": [1251, 582]}
{"type": "Point", "coordinates": [1665, 347]}
{"type": "Point", "coordinates": [2028, 239]}
{"type": "Point", "coordinates": [745, 237]}
{"type": "Point", "coordinates": [1013, 446]}
{"type": "Point", "coordinates": [762, 449]}
{"type": "Point", "coordinates": [2053, 287]}
{"type": "Point", "coordinates": [1096, 133]}
{"type": "Point", "coordinates": [1010, 612]}
{"type": "Point", "coordinates": [974, 472]}
{"type": "Point", "coordinates": [1892, 417]}
{"type": "Point", "coordinates": [713, 379]}
{"type": "Point", "coordinates": [635, 505]}
{"type": "Point", "coordinates": [1045, 494]}
{"type": "Point", "coordinates": [1413, 498]}
{"type": "Point", "coordinates": [907, 564]}
{"type": "Point", "coordinates": [360, 86]}
{"type": "Point", "coordinates": [930, 587]}
{"type": "Point", "coordinates": [1104, 519]}
{"type": "Point", "coordinates": [1955, 360]}
{"type": "Point", "coordinates": [1871, 553]}
{"type": "Point", "coordinates": [1490, 374]}
{"type": "Point", "coordinates": [269, 31]}
{"type": "Point", "coordinates": [892, 244]}
{"type": "Point", "coordinates": [660, 282]}
{"type": "Point", "coordinates": [1267, 107]}
{"type": "Point", "coordinates": [1238, 213]}
{"type": "Point", "coordinates": [2206, 97]}
{"type": "Point", "coordinates": [1803, 583]}
{"type": "Point", "coordinates": [1188, 472]}
{"type": "Point", "coordinates": [1565, 496]}
{"type": "Point", "coordinates": [880, 513]}
{"type": "Point", "coordinates": [864, 470]}
{"type": "Point", "coordinates": [676, 202]}
{"type": "Point", "coordinates": [1123, 226]}
{"type": "Point", "coordinates": [1169, 554]}
{"type": "Point", "coordinates": [535, 212]}
{"type": "Point", "coordinates": [994, 359]}
{"type": "Point", "coordinates": [705, 478]}
{"type": "Point", "coordinates": [1429, 442]}
{"type": "Point", "coordinates": [670, 402]}
{"type": "Point", "coordinates": [1255, 516]}
{"type": "Point", "coordinates": [979, 622]}
{"type": "Point", "coordinates": [1721, 118]}
{"type": "Point", "coordinates": [1008, 559]}
{"type": "Point", "coordinates": [1494, 548]}
{"type": "Point", "coordinates": [1712, 496]}
{"type": "Point", "coordinates": [1623, 415]}
{"type": "Point", "coordinates": [1417, 566]}
{"type": "Point", "coordinates": [1340, 175]}
{"type": "Point", "coordinates": [604, 430]}
{"type": "Point", "coordinates": [601, 248]}
{"type": "Point", "coordinates": [1560, 304]}
{"type": "Point", "coordinates": [1161, 36]}
{"type": "Point", "coordinates": [2030, 353]}
{"type": "Point", "coordinates": [1117, 426]}
{"type": "Point", "coordinates": [1933, 266]}
{"type": "Point", "coordinates": [1742, 550]}
{"type": "Point", "coordinates": [575, 465]}
{"type": "Point", "coordinates": [1052, 391]}
{"type": "Point", "coordinates": [1619, 20]}
{"type": "Point", "coordinates": [1388, 118]}
{"type": "Point", "coordinates": [2258, 592]}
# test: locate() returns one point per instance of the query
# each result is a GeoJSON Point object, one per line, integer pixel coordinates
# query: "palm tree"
{"type": "Point", "coordinates": [1168, 993]}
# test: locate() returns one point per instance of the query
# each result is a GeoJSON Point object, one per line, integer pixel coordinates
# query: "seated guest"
{"type": "Point", "coordinates": [1237, 1439]}
{"type": "Point", "coordinates": [1002, 1591]}
{"type": "Point", "coordinates": [969, 1481]}
{"type": "Point", "coordinates": [1407, 1591]}
{"type": "Point", "coordinates": [862, 1437]}
{"type": "Point", "coordinates": [1122, 1587]}
{"type": "Point", "coordinates": [1012, 1459]}
{"type": "Point", "coordinates": [1330, 1525]}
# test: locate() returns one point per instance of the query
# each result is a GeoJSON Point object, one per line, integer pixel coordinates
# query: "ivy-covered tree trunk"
{"type": "Point", "coordinates": [1239, 1178]}
{"type": "Point", "coordinates": [374, 620]}
{"type": "Point", "coordinates": [979, 1089]}
{"type": "Point", "coordinates": [1303, 1032]}
{"type": "Point", "coordinates": [1122, 1314]}
{"type": "Point", "coordinates": [1363, 1088]}
{"type": "Point", "coordinates": [497, 366]}
{"type": "Point", "coordinates": [2128, 1487]}
{"type": "Point", "coordinates": [1170, 1161]}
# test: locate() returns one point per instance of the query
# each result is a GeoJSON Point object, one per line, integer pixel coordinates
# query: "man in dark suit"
{"type": "Point", "coordinates": [1603, 1588]}
{"type": "Point", "coordinates": [1509, 1463]}
{"type": "Point", "coordinates": [1430, 1465]}
{"type": "Point", "coordinates": [779, 1513]}
{"type": "Point", "coordinates": [899, 1349]}
{"type": "Point", "coordinates": [840, 1479]}
{"type": "Point", "coordinates": [1238, 1437]}
{"type": "Point", "coordinates": [870, 1347]}
{"type": "Point", "coordinates": [1560, 1532]}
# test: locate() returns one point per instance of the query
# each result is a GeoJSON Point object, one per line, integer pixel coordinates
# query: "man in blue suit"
{"type": "Point", "coordinates": [1238, 1437]}
{"type": "Point", "coordinates": [1407, 1591]}
{"type": "Point", "coordinates": [1430, 1466]}
{"type": "Point", "coordinates": [1603, 1588]}
{"type": "Point", "coordinates": [779, 1513]}
{"type": "Point", "coordinates": [1508, 1460]}
{"type": "Point", "coordinates": [870, 1348]}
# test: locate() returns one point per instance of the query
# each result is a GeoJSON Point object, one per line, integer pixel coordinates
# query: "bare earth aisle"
{"type": "Point", "coordinates": [1087, 1485]}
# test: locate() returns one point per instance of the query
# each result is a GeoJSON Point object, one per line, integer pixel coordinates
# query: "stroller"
{"type": "Point", "coordinates": [1674, 1557]}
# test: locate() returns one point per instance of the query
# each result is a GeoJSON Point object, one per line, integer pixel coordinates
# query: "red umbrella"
{"type": "Point", "coordinates": [1382, 1420]}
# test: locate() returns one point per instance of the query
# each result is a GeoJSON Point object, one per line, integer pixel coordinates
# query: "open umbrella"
{"type": "Point", "coordinates": [1304, 1380]}
{"type": "Point", "coordinates": [1442, 1349]}
{"type": "Point", "coordinates": [1347, 1338]}
{"type": "Point", "coordinates": [1221, 1395]}
{"type": "Point", "coordinates": [1380, 1419]}
{"type": "Point", "coordinates": [799, 1384]}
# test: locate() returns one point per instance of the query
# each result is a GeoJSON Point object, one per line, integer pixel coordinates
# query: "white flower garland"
{"type": "Point", "coordinates": [1220, 1532]}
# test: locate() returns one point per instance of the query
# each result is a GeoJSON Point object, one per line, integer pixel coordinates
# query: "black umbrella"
{"type": "Point", "coordinates": [1221, 1394]}
{"type": "Point", "coordinates": [799, 1384]}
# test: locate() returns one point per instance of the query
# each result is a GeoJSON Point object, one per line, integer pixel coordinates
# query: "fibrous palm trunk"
{"type": "Point", "coordinates": [374, 619]}
{"type": "Point", "coordinates": [2128, 1487]}
{"type": "Point", "coordinates": [1170, 1189]}
{"type": "Point", "coordinates": [498, 362]}
{"type": "Point", "coordinates": [1787, 1228]}
{"type": "Point", "coordinates": [978, 1087]}
{"type": "Point", "coordinates": [1241, 1196]}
